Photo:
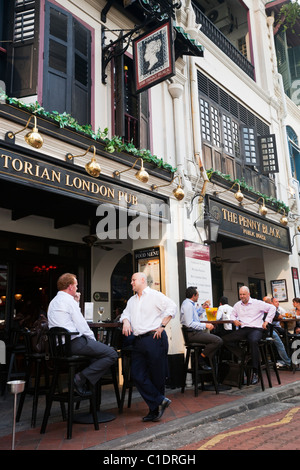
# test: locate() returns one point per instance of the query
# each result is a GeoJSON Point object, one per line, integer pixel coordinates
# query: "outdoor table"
{"type": "Point", "coordinates": [285, 321]}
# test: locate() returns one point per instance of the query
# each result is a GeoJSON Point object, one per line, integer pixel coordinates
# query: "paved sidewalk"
{"type": "Point", "coordinates": [127, 431]}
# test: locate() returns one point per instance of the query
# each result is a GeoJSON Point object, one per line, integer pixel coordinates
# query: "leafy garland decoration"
{"type": "Point", "coordinates": [278, 205]}
{"type": "Point", "coordinates": [115, 144]}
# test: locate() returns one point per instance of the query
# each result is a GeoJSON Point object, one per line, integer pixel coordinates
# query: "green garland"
{"type": "Point", "coordinates": [115, 144]}
{"type": "Point", "coordinates": [279, 205]}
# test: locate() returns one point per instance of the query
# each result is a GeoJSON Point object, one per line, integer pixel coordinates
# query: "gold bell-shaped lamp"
{"type": "Point", "coordinates": [142, 175]}
{"type": "Point", "coordinates": [178, 192]}
{"type": "Point", "coordinates": [284, 220]}
{"type": "Point", "coordinates": [263, 210]}
{"type": "Point", "coordinates": [92, 168]}
{"type": "Point", "coordinates": [32, 137]}
{"type": "Point", "coordinates": [239, 196]}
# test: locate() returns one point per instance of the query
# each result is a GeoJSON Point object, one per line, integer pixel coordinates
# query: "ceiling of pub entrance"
{"type": "Point", "coordinates": [24, 201]}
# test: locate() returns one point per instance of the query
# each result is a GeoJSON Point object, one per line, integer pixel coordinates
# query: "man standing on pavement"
{"type": "Point", "coordinates": [64, 312]}
{"type": "Point", "coordinates": [146, 315]}
{"type": "Point", "coordinates": [196, 331]}
{"type": "Point", "coordinates": [248, 314]}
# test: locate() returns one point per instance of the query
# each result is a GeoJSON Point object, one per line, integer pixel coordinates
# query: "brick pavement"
{"type": "Point", "coordinates": [126, 425]}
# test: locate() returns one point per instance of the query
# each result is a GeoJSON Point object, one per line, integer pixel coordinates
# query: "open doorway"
{"type": "Point", "coordinates": [120, 281]}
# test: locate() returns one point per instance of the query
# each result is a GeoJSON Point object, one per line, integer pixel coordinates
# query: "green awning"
{"type": "Point", "coordinates": [185, 45]}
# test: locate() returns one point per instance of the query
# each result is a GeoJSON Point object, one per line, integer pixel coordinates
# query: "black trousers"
{"type": "Point", "coordinates": [149, 368]}
{"type": "Point", "coordinates": [101, 356]}
{"type": "Point", "coordinates": [252, 335]}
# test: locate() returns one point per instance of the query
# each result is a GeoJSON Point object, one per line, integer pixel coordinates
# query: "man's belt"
{"type": "Point", "coordinates": [150, 333]}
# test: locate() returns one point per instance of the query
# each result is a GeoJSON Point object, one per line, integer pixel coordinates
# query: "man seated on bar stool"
{"type": "Point", "coordinates": [248, 315]}
{"type": "Point", "coordinates": [64, 312]}
{"type": "Point", "coordinates": [196, 331]}
{"type": "Point", "coordinates": [275, 329]}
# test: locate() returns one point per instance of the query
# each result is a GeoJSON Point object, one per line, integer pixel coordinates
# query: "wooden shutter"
{"type": "Point", "coordinates": [269, 159]}
{"type": "Point", "coordinates": [67, 64]}
{"type": "Point", "coordinates": [22, 53]}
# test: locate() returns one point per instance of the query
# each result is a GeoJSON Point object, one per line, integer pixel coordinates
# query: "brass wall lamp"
{"type": "Point", "coordinates": [142, 175]}
{"type": "Point", "coordinates": [178, 192]}
{"type": "Point", "coordinates": [32, 137]}
{"type": "Point", "coordinates": [92, 168]}
{"type": "Point", "coordinates": [262, 209]}
{"type": "Point", "coordinates": [238, 195]}
{"type": "Point", "coordinates": [284, 220]}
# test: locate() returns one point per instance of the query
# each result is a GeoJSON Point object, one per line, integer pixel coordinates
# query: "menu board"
{"type": "Point", "coordinates": [149, 262]}
{"type": "Point", "coordinates": [198, 269]}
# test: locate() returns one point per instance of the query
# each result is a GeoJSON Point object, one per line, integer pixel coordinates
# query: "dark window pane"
{"type": "Point", "coordinates": [58, 25]}
{"type": "Point", "coordinates": [81, 70]}
{"type": "Point", "coordinates": [80, 39]}
{"type": "Point", "coordinates": [57, 56]}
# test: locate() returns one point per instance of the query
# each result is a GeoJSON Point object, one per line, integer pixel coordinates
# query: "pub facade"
{"type": "Point", "coordinates": [141, 149]}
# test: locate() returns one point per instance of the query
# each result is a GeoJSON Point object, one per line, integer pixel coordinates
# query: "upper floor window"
{"type": "Point", "coordinates": [131, 109]}
{"type": "Point", "coordinates": [232, 130]}
{"type": "Point", "coordinates": [67, 65]}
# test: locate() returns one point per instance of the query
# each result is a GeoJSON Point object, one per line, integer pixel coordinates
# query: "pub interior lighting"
{"type": "Point", "coordinates": [142, 175]}
{"type": "Point", "coordinates": [238, 195]}
{"type": "Point", "coordinates": [92, 168]}
{"type": "Point", "coordinates": [178, 192]}
{"type": "Point", "coordinates": [32, 137]}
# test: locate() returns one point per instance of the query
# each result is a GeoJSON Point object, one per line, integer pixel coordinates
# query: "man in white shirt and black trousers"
{"type": "Point", "coordinates": [64, 312]}
{"type": "Point", "coordinates": [146, 315]}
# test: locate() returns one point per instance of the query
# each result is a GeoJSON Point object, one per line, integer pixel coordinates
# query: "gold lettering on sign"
{"type": "Point", "coordinates": [44, 173]}
{"type": "Point", "coordinates": [250, 227]}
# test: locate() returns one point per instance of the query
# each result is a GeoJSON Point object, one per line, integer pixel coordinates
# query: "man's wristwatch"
{"type": "Point", "coordinates": [163, 326]}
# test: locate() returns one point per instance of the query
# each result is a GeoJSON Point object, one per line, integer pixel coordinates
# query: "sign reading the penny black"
{"type": "Point", "coordinates": [243, 225]}
{"type": "Point", "coordinates": [45, 175]}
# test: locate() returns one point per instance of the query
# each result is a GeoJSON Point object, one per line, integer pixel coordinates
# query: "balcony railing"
{"type": "Point", "coordinates": [218, 38]}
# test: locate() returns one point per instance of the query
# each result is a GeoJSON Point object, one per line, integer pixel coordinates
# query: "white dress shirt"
{"type": "Point", "coordinates": [224, 313]}
{"type": "Point", "coordinates": [64, 312]}
{"type": "Point", "coordinates": [146, 313]}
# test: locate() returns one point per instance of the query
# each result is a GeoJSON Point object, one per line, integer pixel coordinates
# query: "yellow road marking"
{"type": "Point", "coordinates": [216, 439]}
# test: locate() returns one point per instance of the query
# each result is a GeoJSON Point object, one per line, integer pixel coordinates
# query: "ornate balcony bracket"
{"type": "Point", "coordinates": [153, 11]}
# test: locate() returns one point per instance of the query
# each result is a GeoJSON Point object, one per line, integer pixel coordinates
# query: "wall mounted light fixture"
{"type": "Point", "coordinates": [284, 220]}
{"type": "Point", "coordinates": [32, 137]}
{"type": "Point", "coordinates": [262, 209]}
{"type": "Point", "coordinates": [92, 168]}
{"type": "Point", "coordinates": [178, 192]}
{"type": "Point", "coordinates": [208, 228]}
{"type": "Point", "coordinates": [142, 175]}
{"type": "Point", "coordinates": [238, 195]}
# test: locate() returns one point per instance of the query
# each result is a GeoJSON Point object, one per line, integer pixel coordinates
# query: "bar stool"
{"type": "Point", "coordinates": [267, 361]}
{"type": "Point", "coordinates": [36, 365]}
{"type": "Point", "coordinates": [64, 361]}
{"type": "Point", "coordinates": [15, 349]}
{"type": "Point", "coordinates": [193, 351]}
{"type": "Point", "coordinates": [127, 382]}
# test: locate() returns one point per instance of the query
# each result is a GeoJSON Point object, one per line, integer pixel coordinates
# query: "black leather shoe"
{"type": "Point", "coordinates": [162, 407]}
{"type": "Point", "coordinates": [150, 416]}
{"type": "Point", "coordinates": [81, 389]}
{"type": "Point", "coordinates": [204, 366]}
{"type": "Point", "coordinates": [255, 379]}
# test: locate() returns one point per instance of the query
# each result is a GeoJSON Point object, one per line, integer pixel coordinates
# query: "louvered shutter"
{"type": "Point", "coordinates": [23, 51]}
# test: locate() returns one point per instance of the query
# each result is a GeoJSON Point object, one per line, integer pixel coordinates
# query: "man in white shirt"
{"type": "Point", "coordinates": [64, 312]}
{"type": "Point", "coordinates": [146, 315]}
